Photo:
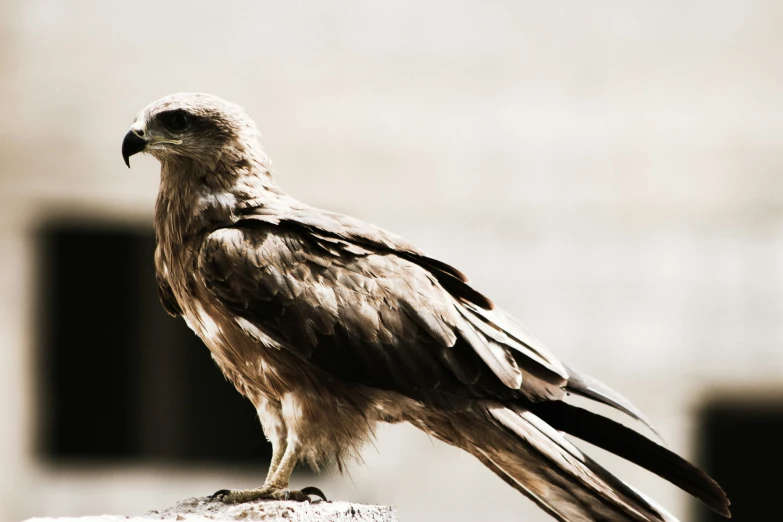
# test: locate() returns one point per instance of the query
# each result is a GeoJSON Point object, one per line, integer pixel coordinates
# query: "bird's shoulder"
{"type": "Point", "coordinates": [351, 234]}
{"type": "Point", "coordinates": [292, 213]}
{"type": "Point", "coordinates": [295, 265]}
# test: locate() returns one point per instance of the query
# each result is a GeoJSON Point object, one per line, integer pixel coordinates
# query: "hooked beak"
{"type": "Point", "coordinates": [131, 145]}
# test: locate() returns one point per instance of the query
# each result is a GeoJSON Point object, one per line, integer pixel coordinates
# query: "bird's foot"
{"type": "Point", "coordinates": [236, 496]}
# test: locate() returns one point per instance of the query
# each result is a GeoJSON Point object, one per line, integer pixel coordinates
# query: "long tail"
{"type": "Point", "coordinates": [526, 449]}
{"type": "Point", "coordinates": [590, 387]}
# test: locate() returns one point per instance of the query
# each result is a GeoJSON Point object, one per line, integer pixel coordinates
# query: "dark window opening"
{"type": "Point", "coordinates": [741, 449]}
{"type": "Point", "coordinates": [119, 378]}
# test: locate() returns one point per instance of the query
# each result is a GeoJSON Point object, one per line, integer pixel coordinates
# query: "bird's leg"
{"type": "Point", "coordinates": [276, 485]}
{"type": "Point", "coordinates": [279, 445]}
{"type": "Point", "coordinates": [271, 416]}
{"type": "Point", "coordinates": [282, 475]}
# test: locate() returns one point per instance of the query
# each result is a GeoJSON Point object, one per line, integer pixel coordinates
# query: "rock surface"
{"type": "Point", "coordinates": [200, 509]}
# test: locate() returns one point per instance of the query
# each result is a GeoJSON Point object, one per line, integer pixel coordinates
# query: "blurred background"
{"type": "Point", "coordinates": [608, 172]}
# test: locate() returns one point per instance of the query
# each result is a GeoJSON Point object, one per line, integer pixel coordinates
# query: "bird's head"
{"type": "Point", "coordinates": [190, 127]}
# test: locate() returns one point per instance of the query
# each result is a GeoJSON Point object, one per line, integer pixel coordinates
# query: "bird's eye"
{"type": "Point", "coordinates": [175, 121]}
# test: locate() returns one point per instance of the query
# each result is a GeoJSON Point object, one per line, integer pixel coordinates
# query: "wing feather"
{"type": "Point", "coordinates": [419, 301]}
{"type": "Point", "coordinates": [366, 316]}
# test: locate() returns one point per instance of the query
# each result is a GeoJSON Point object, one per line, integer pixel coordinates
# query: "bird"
{"type": "Point", "coordinates": [330, 326]}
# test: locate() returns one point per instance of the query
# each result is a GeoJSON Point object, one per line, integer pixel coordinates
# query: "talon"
{"type": "Point", "coordinates": [229, 496]}
{"type": "Point", "coordinates": [219, 493]}
{"type": "Point", "coordinates": [312, 490]}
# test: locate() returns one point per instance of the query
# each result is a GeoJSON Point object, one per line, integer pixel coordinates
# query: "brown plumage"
{"type": "Point", "coordinates": [330, 325]}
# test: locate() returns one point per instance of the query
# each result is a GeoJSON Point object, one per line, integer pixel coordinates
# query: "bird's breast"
{"type": "Point", "coordinates": [250, 359]}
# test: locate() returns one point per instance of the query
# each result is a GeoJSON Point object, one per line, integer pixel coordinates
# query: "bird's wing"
{"type": "Point", "coordinates": [475, 307]}
{"type": "Point", "coordinates": [371, 315]}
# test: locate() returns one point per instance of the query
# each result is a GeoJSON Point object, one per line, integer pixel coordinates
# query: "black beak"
{"type": "Point", "coordinates": [131, 145]}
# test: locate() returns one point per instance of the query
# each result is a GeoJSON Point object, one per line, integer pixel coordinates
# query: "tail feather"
{"type": "Point", "coordinates": [632, 446]}
{"type": "Point", "coordinates": [538, 461]}
{"type": "Point", "coordinates": [591, 388]}
{"type": "Point", "coordinates": [514, 483]}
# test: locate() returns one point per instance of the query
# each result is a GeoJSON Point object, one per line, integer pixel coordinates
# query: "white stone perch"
{"type": "Point", "coordinates": [200, 509]}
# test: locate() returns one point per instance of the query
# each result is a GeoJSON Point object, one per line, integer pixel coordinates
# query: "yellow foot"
{"type": "Point", "coordinates": [230, 496]}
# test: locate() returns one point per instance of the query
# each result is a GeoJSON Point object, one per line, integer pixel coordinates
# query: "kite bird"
{"type": "Point", "coordinates": [330, 325]}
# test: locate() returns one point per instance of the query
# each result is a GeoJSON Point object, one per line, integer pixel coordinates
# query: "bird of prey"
{"type": "Point", "coordinates": [330, 325]}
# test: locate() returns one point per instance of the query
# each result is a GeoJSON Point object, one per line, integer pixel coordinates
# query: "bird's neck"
{"type": "Point", "coordinates": [194, 200]}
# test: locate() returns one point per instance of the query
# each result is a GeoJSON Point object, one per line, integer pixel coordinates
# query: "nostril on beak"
{"type": "Point", "coordinates": [139, 132]}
